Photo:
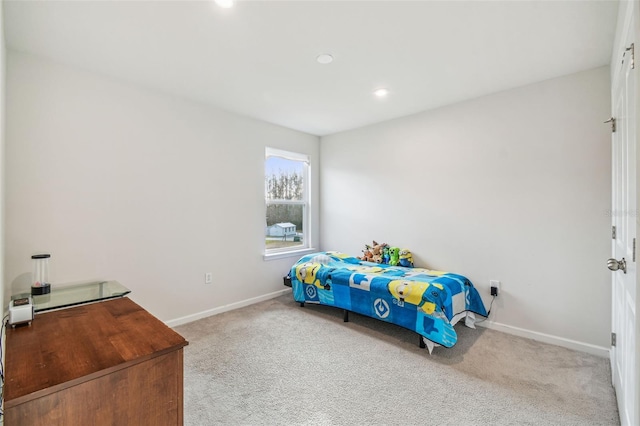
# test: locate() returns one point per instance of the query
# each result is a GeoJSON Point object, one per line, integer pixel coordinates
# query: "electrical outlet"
{"type": "Point", "coordinates": [208, 278]}
{"type": "Point", "coordinates": [495, 287]}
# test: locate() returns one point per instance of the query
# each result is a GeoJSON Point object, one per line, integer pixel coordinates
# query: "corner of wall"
{"type": "Point", "coordinates": [3, 92]}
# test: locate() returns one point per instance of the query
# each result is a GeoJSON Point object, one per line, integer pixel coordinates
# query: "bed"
{"type": "Point", "coordinates": [422, 300]}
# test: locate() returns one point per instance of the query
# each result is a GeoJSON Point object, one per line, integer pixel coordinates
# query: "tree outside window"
{"type": "Point", "coordinates": [287, 201]}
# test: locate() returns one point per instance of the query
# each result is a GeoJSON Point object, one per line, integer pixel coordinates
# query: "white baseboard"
{"type": "Point", "coordinates": [548, 338]}
{"type": "Point", "coordinates": [225, 308]}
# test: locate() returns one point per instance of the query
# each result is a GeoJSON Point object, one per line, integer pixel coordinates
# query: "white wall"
{"type": "Point", "coordinates": [512, 187]}
{"type": "Point", "coordinates": [2, 155]}
{"type": "Point", "coordinates": [118, 182]}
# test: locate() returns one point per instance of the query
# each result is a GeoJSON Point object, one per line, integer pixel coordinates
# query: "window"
{"type": "Point", "coordinates": [286, 187]}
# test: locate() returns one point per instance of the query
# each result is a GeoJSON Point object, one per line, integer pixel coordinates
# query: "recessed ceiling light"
{"type": "Point", "coordinates": [324, 59]}
{"type": "Point", "coordinates": [381, 93]}
{"type": "Point", "coordinates": [224, 3]}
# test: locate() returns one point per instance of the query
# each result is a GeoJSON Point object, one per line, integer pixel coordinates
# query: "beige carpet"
{"type": "Point", "coordinates": [275, 363]}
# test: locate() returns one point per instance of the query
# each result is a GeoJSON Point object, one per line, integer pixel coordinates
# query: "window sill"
{"type": "Point", "coordinates": [285, 254]}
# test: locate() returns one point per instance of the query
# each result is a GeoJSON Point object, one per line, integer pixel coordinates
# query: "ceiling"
{"type": "Point", "coordinates": [258, 58]}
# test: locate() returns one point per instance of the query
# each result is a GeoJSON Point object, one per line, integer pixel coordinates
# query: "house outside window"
{"type": "Point", "coordinates": [287, 195]}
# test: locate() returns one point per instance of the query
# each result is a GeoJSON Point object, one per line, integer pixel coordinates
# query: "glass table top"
{"type": "Point", "coordinates": [65, 296]}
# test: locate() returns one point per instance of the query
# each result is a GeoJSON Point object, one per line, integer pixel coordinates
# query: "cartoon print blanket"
{"type": "Point", "coordinates": [421, 300]}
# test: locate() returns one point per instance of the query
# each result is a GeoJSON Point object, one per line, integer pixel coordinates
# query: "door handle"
{"type": "Point", "coordinates": [614, 265]}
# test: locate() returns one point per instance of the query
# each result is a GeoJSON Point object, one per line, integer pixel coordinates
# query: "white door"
{"type": "Point", "coordinates": [624, 365]}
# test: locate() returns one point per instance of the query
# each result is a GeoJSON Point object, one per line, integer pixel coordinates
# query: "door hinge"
{"type": "Point", "coordinates": [613, 124]}
{"type": "Point", "coordinates": [613, 232]}
{"type": "Point", "coordinates": [633, 55]}
{"type": "Point", "coordinates": [613, 339]}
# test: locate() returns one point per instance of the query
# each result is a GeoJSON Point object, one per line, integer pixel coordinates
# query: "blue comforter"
{"type": "Point", "coordinates": [421, 300]}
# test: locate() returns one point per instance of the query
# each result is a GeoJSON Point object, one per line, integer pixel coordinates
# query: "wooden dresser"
{"type": "Point", "coordinates": [106, 363]}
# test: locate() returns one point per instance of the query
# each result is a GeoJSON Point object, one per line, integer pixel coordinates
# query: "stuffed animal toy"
{"type": "Point", "coordinates": [378, 253]}
{"type": "Point", "coordinates": [394, 256]}
{"type": "Point", "coordinates": [367, 256]}
{"type": "Point", "coordinates": [385, 255]}
{"type": "Point", "coordinates": [378, 250]}
{"type": "Point", "coordinates": [406, 258]}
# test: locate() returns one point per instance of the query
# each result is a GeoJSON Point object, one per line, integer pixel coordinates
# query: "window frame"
{"type": "Point", "coordinates": [305, 202]}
